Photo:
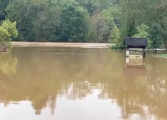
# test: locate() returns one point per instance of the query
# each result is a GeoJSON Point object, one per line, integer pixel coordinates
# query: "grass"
{"type": "Point", "coordinates": [161, 55]}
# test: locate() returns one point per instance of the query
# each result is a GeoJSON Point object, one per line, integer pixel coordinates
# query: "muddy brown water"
{"type": "Point", "coordinates": [80, 84]}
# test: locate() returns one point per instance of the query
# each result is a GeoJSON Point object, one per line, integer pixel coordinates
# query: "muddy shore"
{"type": "Point", "coordinates": [60, 44]}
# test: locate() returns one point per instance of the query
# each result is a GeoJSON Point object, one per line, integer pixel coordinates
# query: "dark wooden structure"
{"type": "Point", "coordinates": [3, 48]}
{"type": "Point", "coordinates": [131, 42]}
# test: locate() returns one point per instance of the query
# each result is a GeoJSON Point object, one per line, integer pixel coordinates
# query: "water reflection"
{"type": "Point", "coordinates": [3, 91]}
{"type": "Point", "coordinates": [8, 63]}
{"type": "Point", "coordinates": [72, 86]}
{"type": "Point", "coordinates": [135, 67]}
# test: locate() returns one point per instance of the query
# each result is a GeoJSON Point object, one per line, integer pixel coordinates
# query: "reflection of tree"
{"type": "Point", "coordinates": [42, 77]}
{"type": "Point", "coordinates": [157, 87]}
{"type": "Point", "coordinates": [134, 94]}
{"type": "Point", "coordinates": [3, 91]}
{"type": "Point", "coordinates": [38, 102]}
{"type": "Point", "coordinates": [8, 63]}
{"type": "Point", "coordinates": [52, 103]}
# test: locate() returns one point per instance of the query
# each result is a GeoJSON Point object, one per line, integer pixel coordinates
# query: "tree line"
{"type": "Point", "coordinates": [87, 20]}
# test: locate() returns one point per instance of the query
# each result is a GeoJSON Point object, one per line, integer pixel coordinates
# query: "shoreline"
{"type": "Point", "coordinates": [164, 56]}
{"type": "Point", "coordinates": [60, 44]}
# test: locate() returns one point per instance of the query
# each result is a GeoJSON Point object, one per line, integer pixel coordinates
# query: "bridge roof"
{"type": "Point", "coordinates": [131, 41]}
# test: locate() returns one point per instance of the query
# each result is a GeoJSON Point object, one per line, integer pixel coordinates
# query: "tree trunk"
{"type": "Point", "coordinates": [154, 50]}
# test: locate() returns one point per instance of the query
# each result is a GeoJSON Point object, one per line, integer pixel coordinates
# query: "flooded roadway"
{"type": "Point", "coordinates": [80, 84]}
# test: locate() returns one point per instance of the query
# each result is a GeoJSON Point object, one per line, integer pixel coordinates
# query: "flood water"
{"type": "Point", "coordinates": [80, 84]}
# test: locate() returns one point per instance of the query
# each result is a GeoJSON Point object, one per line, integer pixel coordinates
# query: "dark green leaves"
{"type": "Point", "coordinates": [155, 35]}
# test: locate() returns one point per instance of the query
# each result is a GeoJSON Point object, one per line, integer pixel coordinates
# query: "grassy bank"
{"type": "Point", "coordinates": [161, 55]}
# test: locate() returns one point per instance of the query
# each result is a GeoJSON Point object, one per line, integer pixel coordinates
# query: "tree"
{"type": "Point", "coordinates": [74, 23]}
{"type": "Point", "coordinates": [3, 4]}
{"type": "Point", "coordinates": [157, 14]}
{"type": "Point", "coordinates": [7, 32]}
{"type": "Point", "coordinates": [83, 20]}
{"type": "Point", "coordinates": [155, 35]}
{"type": "Point", "coordinates": [96, 5]}
{"type": "Point", "coordinates": [24, 13]}
{"type": "Point", "coordinates": [134, 13]}
{"type": "Point", "coordinates": [46, 22]}
{"type": "Point", "coordinates": [102, 26]}
{"type": "Point", "coordinates": [142, 31]}
{"type": "Point", "coordinates": [115, 35]}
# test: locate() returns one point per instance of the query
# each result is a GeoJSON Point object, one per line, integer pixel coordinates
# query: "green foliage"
{"type": "Point", "coordinates": [115, 13]}
{"type": "Point", "coordinates": [134, 13]}
{"type": "Point", "coordinates": [50, 20]}
{"type": "Point", "coordinates": [24, 13]}
{"type": "Point", "coordinates": [96, 5]}
{"type": "Point", "coordinates": [65, 20]}
{"type": "Point", "coordinates": [117, 47]}
{"type": "Point", "coordinates": [115, 35]}
{"type": "Point", "coordinates": [3, 4]}
{"type": "Point", "coordinates": [84, 20]}
{"type": "Point", "coordinates": [142, 31]}
{"type": "Point", "coordinates": [74, 23]}
{"type": "Point", "coordinates": [46, 22]}
{"type": "Point", "coordinates": [10, 27]}
{"type": "Point", "coordinates": [4, 35]}
{"type": "Point", "coordinates": [102, 26]}
{"type": "Point", "coordinates": [7, 32]}
{"type": "Point", "coordinates": [155, 35]}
